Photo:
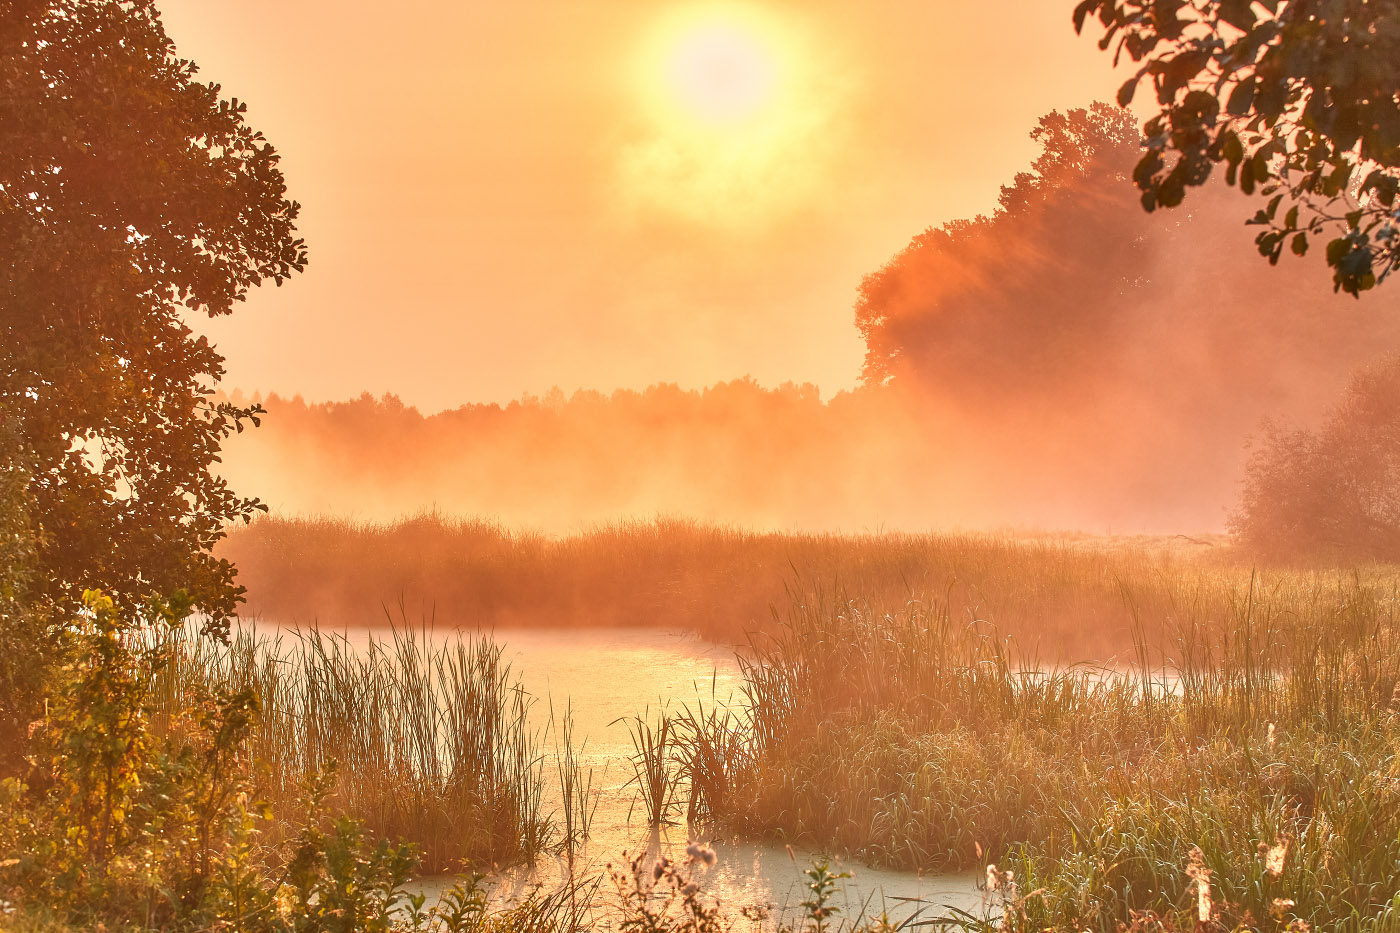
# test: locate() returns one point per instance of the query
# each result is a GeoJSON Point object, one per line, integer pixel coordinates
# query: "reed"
{"type": "Point", "coordinates": [912, 738]}
{"type": "Point", "coordinates": [430, 740]}
{"type": "Point", "coordinates": [714, 752]}
{"type": "Point", "coordinates": [655, 774]}
{"type": "Point", "coordinates": [577, 796]}
{"type": "Point", "coordinates": [1065, 596]}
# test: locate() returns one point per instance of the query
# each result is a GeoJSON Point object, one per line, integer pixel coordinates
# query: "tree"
{"type": "Point", "coordinates": [1333, 492]}
{"type": "Point", "coordinates": [131, 194]}
{"type": "Point", "coordinates": [1011, 298]}
{"type": "Point", "coordinates": [1300, 99]}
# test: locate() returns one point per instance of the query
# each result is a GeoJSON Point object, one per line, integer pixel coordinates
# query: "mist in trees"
{"type": "Point", "coordinates": [1068, 361]}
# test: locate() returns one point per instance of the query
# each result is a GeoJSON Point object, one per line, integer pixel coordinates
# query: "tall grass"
{"type": "Point", "coordinates": [654, 771]}
{"type": "Point", "coordinates": [916, 738]}
{"type": "Point", "coordinates": [577, 798]}
{"type": "Point", "coordinates": [430, 740]}
{"type": "Point", "coordinates": [1063, 595]}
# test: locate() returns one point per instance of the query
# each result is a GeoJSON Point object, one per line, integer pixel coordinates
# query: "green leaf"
{"type": "Point", "coordinates": [1238, 13]}
{"type": "Point", "coordinates": [1241, 98]}
{"type": "Point", "coordinates": [1081, 12]}
{"type": "Point", "coordinates": [1126, 92]}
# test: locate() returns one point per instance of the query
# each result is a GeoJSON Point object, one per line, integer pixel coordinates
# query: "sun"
{"type": "Point", "coordinates": [717, 67]}
{"type": "Point", "coordinates": [734, 118]}
{"type": "Point", "coordinates": [722, 72]}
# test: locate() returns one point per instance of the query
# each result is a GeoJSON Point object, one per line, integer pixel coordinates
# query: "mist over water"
{"type": "Point", "coordinates": [606, 678]}
{"type": "Point", "coordinates": [1068, 361]}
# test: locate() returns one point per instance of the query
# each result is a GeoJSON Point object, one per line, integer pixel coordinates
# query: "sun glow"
{"type": "Point", "coordinates": [734, 117]}
{"type": "Point", "coordinates": [722, 72]}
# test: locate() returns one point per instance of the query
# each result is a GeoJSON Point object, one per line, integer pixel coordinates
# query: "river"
{"type": "Point", "coordinates": [607, 676]}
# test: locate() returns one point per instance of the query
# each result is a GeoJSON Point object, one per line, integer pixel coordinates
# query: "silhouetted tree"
{"type": "Point", "coordinates": [1333, 492]}
{"type": "Point", "coordinates": [130, 194]}
{"type": "Point", "coordinates": [1299, 98]}
{"type": "Point", "coordinates": [1008, 299]}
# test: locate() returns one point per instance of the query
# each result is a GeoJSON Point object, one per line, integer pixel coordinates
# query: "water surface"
{"type": "Point", "coordinates": [608, 676]}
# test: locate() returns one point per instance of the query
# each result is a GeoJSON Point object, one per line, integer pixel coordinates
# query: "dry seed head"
{"type": "Point", "coordinates": [1273, 855]}
{"type": "Point", "coordinates": [998, 880]}
{"type": "Point", "coordinates": [1272, 739]}
{"type": "Point", "coordinates": [1197, 871]}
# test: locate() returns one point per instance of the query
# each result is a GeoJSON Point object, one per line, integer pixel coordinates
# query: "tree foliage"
{"type": "Point", "coordinates": [1333, 492]}
{"type": "Point", "coordinates": [131, 195]}
{"type": "Point", "coordinates": [1008, 297]}
{"type": "Point", "coordinates": [148, 824]}
{"type": "Point", "coordinates": [1299, 99]}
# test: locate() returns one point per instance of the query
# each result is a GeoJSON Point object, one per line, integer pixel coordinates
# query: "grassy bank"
{"type": "Point", "coordinates": [1068, 597]}
{"type": "Point", "coordinates": [1238, 766]}
{"type": "Point", "coordinates": [428, 742]}
{"type": "Point", "coordinates": [913, 738]}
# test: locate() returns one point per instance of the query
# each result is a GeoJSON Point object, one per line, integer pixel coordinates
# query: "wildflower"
{"type": "Point", "coordinates": [997, 880]}
{"type": "Point", "coordinates": [6, 908]}
{"type": "Point", "coordinates": [1281, 906]}
{"type": "Point", "coordinates": [701, 853]}
{"type": "Point", "coordinates": [1299, 925]}
{"type": "Point", "coordinates": [1197, 871]}
{"type": "Point", "coordinates": [1272, 739]}
{"type": "Point", "coordinates": [1273, 855]}
{"type": "Point", "coordinates": [286, 902]}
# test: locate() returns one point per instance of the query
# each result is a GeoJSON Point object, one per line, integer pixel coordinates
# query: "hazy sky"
{"type": "Point", "coordinates": [500, 196]}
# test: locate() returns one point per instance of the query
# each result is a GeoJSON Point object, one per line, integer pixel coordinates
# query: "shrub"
{"type": "Point", "coordinates": [127, 824]}
{"type": "Point", "coordinates": [1332, 493]}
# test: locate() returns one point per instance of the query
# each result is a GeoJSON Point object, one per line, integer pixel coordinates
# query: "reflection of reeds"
{"type": "Point", "coordinates": [577, 797]}
{"type": "Point", "coordinates": [654, 766]}
{"type": "Point", "coordinates": [431, 740]}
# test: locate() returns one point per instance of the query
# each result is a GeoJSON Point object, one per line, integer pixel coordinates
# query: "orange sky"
{"type": "Point", "coordinates": [501, 197]}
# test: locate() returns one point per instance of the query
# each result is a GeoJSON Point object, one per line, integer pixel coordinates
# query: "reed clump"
{"type": "Point", "coordinates": [429, 739]}
{"type": "Point", "coordinates": [1063, 592]}
{"type": "Point", "coordinates": [655, 774]}
{"type": "Point", "coordinates": [578, 799]}
{"type": "Point", "coordinates": [917, 738]}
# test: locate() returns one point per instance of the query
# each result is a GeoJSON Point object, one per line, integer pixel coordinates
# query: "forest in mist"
{"type": "Point", "coordinates": [1063, 362]}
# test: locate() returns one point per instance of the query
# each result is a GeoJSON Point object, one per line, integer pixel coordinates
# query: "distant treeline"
{"type": "Point", "coordinates": [1068, 361]}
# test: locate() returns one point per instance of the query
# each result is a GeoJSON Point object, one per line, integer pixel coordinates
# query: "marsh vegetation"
{"type": "Point", "coordinates": [1238, 712]}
